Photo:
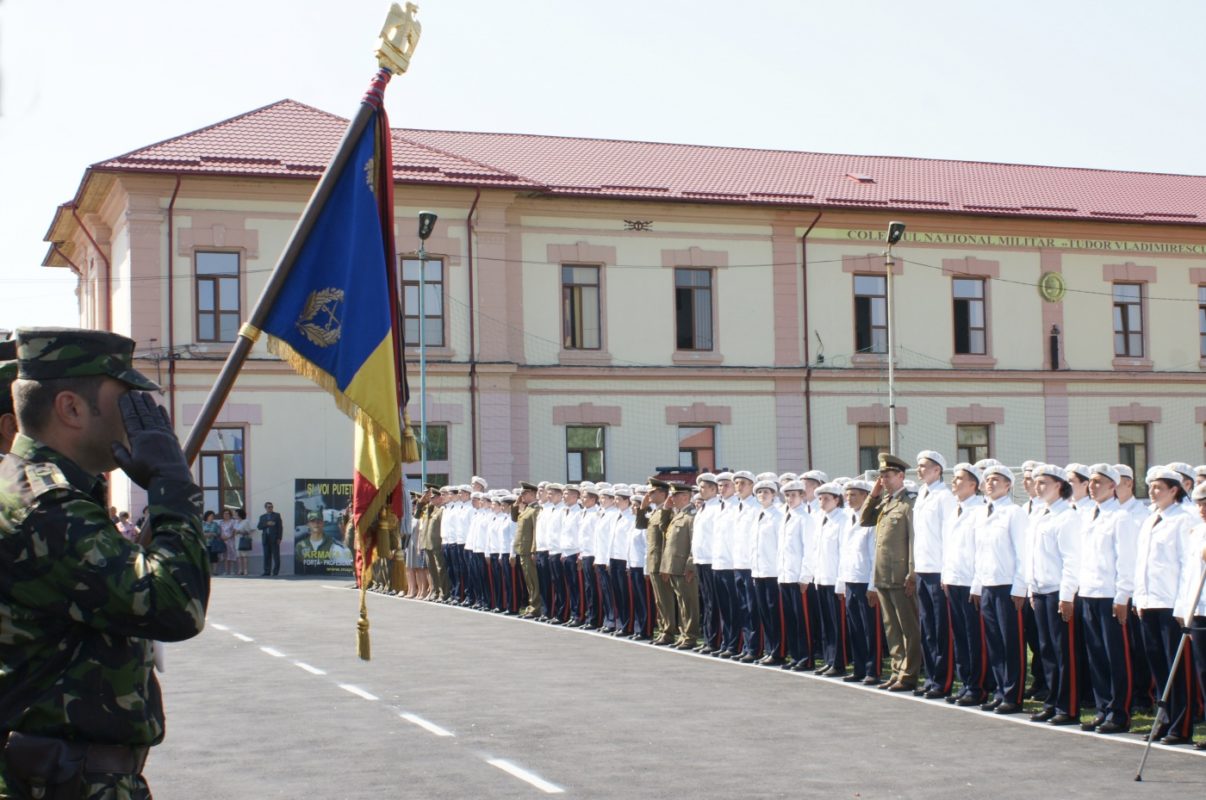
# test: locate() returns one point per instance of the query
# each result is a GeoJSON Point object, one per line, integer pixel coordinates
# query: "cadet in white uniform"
{"type": "Point", "coordinates": [764, 568]}
{"type": "Point", "coordinates": [1191, 608]}
{"type": "Point", "coordinates": [825, 577]}
{"type": "Point", "coordinates": [799, 531]}
{"type": "Point", "coordinates": [934, 505]}
{"type": "Point", "coordinates": [702, 536]}
{"type": "Point", "coordinates": [856, 570]}
{"type": "Point", "coordinates": [958, 575]}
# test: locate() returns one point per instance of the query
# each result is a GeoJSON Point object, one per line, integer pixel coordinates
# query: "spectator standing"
{"type": "Point", "coordinates": [271, 528]}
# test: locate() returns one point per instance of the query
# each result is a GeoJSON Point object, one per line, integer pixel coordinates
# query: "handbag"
{"type": "Point", "coordinates": [244, 541]}
{"type": "Point", "coordinates": [217, 547]}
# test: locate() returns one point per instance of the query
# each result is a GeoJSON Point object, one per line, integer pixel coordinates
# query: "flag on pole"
{"type": "Point", "coordinates": [337, 322]}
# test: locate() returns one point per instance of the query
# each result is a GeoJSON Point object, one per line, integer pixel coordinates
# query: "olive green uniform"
{"type": "Point", "coordinates": [676, 563]}
{"type": "Point", "coordinates": [655, 525]}
{"type": "Point", "coordinates": [525, 551]}
{"type": "Point", "coordinates": [893, 521]}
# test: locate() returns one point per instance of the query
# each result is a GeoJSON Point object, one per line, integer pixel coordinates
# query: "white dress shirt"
{"type": "Point", "coordinates": [1191, 573]}
{"type": "Point", "coordinates": [1141, 512]}
{"type": "Point", "coordinates": [933, 505]}
{"type": "Point", "coordinates": [1054, 546]}
{"type": "Point", "coordinates": [570, 543]}
{"type": "Point", "coordinates": [604, 528]}
{"type": "Point", "coordinates": [494, 536]}
{"type": "Point", "coordinates": [552, 532]}
{"type": "Point", "coordinates": [722, 533]}
{"type": "Point", "coordinates": [829, 546]}
{"type": "Point", "coordinates": [745, 520]}
{"type": "Point", "coordinates": [1000, 530]}
{"type": "Point", "coordinates": [703, 531]}
{"type": "Point", "coordinates": [797, 528]}
{"type": "Point", "coordinates": [856, 556]}
{"type": "Point", "coordinates": [1160, 555]}
{"type": "Point", "coordinates": [636, 541]}
{"type": "Point", "coordinates": [959, 543]}
{"type": "Point", "coordinates": [764, 544]}
{"type": "Point", "coordinates": [586, 530]}
{"type": "Point", "coordinates": [542, 529]}
{"type": "Point", "coordinates": [622, 525]}
{"type": "Point", "coordinates": [1107, 553]}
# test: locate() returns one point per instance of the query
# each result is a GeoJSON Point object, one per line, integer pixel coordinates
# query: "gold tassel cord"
{"type": "Point", "coordinates": [363, 648]}
{"type": "Point", "coordinates": [410, 443]}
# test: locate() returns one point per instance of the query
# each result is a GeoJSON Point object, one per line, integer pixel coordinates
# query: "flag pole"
{"type": "Point", "coordinates": [399, 36]}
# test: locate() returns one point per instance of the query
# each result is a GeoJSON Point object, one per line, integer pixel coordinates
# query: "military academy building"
{"type": "Point", "coordinates": [596, 308]}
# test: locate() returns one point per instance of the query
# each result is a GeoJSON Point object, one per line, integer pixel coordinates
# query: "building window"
{"type": "Point", "coordinates": [414, 480]}
{"type": "Point", "coordinates": [584, 459]}
{"type": "Point", "coordinates": [693, 308]}
{"type": "Point", "coordinates": [872, 440]}
{"type": "Point", "coordinates": [1128, 320]}
{"type": "Point", "coordinates": [579, 307]}
{"type": "Point", "coordinates": [1202, 320]}
{"type": "Point", "coordinates": [433, 302]}
{"type": "Point", "coordinates": [1132, 451]}
{"type": "Point", "coordinates": [971, 443]}
{"type": "Point", "coordinates": [970, 338]}
{"type": "Point", "coordinates": [697, 447]}
{"type": "Point", "coordinates": [222, 471]}
{"type": "Point", "coordinates": [437, 441]}
{"type": "Point", "coordinates": [870, 314]}
{"type": "Point", "coordinates": [217, 296]}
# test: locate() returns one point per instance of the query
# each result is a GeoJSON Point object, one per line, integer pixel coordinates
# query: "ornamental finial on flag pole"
{"type": "Point", "coordinates": [399, 37]}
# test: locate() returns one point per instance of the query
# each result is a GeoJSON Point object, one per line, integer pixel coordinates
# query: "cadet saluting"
{"type": "Point", "coordinates": [77, 694]}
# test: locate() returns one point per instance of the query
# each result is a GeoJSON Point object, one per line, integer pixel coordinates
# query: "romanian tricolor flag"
{"type": "Point", "coordinates": [336, 321]}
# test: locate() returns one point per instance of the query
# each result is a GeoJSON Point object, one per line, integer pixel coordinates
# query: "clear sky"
{"type": "Point", "coordinates": [1111, 84]}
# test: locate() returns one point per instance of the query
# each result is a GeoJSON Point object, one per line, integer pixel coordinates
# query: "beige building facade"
{"type": "Point", "coordinates": [588, 334]}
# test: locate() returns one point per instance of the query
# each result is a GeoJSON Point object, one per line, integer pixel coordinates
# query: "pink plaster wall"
{"type": "Point", "coordinates": [975, 414]}
{"type": "Point", "coordinates": [1134, 413]}
{"type": "Point", "coordinates": [581, 253]}
{"type": "Point", "coordinates": [1055, 421]}
{"type": "Point", "coordinates": [586, 414]}
{"type": "Point", "coordinates": [971, 267]}
{"type": "Point", "coordinates": [699, 412]}
{"type": "Point", "coordinates": [695, 257]}
{"type": "Point", "coordinates": [875, 414]}
{"type": "Point", "coordinates": [871, 264]}
{"type": "Point", "coordinates": [785, 281]}
{"type": "Point", "coordinates": [1128, 272]}
{"type": "Point", "coordinates": [790, 444]}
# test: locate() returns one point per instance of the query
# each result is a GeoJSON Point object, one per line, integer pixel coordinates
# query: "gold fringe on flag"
{"type": "Point", "coordinates": [410, 443]}
{"type": "Point", "coordinates": [363, 650]}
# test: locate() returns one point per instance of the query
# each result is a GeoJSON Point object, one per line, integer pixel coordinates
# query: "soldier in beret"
{"type": "Point", "coordinates": [78, 600]}
{"type": "Point", "coordinates": [654, 518]}
{"type": "Point", "coordinates": [677, 566]}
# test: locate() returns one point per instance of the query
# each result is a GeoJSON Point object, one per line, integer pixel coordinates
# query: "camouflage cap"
{"type": "Point", "coordinates": [49, 353]}
{"type": "Point", "coordinates": [314, 516]}
{"type": "Point", "coordinates": [8, 371]}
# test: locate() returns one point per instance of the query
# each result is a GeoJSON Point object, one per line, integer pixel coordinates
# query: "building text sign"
{"type": "Point", "coordinates": [999, 240]}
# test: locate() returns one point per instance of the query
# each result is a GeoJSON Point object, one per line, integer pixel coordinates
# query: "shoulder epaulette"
{"type": "Point", "coordinates": [45, 477]}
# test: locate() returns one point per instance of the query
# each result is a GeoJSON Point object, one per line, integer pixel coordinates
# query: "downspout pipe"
{"type": "Point", "coordinates": [171, 300]}
{"type": "Point", "coordinates": [807, 335]}
{"type": "Point", "coordinates": [472, 337]}
{"type": "Point", "coordinates": [108, 268]}
{"type": "Point", "coordinates": [74, 267]}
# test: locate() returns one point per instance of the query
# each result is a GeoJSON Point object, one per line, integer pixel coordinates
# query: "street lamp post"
{"type": "Point", "coordinates": [895, 233]}
{"type": "Point", "coordinates": [427, 221]}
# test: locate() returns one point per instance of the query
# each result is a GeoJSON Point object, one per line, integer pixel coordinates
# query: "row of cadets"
{"type": "Point", "coordinates": [500, 542]}
{"type": "Point", "coordinates": [856, 578]}
{"type": "Point", "coordinates": [702, 544]}
{"type": "Point", "coordinates": [958, 575]}
{"type": "Point", "coordinates": [934, 505]}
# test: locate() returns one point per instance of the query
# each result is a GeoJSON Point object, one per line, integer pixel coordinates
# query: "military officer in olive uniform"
{"type": "Point", "coordinates": [676, 563]}
{"type": "Point", "coordinates": [890, 510]}
{"type": "Point", "coordinates": [79, 604]}
{"type": "Point", "coordinates": [655, 524]}
{"type": "Point", "coordinates": [525, 546]}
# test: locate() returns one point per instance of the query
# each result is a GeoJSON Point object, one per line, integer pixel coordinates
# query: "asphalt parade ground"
{"type": "Point", "coordinates": [271, 701]}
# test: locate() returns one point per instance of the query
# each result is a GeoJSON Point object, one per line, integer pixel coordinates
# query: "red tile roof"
{"type": "Point", "coordinates": [291, 139]}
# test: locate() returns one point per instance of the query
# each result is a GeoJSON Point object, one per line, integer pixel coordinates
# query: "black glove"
{"type": "Point", "coordinates": [154, 451]}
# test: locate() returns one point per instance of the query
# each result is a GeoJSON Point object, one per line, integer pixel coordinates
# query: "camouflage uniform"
{"type": "Point", "coordinates": [79, 604]}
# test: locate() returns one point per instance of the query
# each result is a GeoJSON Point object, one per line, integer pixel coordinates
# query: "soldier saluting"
{"type": "Point", "coordinates": [79, 604]}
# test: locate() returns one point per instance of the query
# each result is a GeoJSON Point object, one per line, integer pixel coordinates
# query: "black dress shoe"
{"type": "Point", "coordinates": [706, 650]}
{"type": "Point", "coordinates": [1113, 727]}
{"type": "Point", "coordinates": [1042, 715]}
{"type": "Point", "coordinates": [1064, 719]}
{"type": "Point", "coordinates": [903, 687]}
{"type": "Point", "coordinates": [1174, 739]}
{"type": "Point", "coordinates": [853, 678]}
{"type": "Point", "coordinates": [871, 680]}
{"type": "Point", "coordinates": [887, 687]}
{"type": "Point", "coordinates": [801, 666]}
{"type": "Point", "coordinates": [935, 694]}
{"type": "Point", "coordinates": [969, 700]}
{"type": "Point", "coordinates": [1008, 708]}
{"type": "Point", "coordinates": [917, 692]}
{"type": "Point", "coordinates": [553, 621]}
{"type": "Point", "coordinates": [725, 654]}
{"type": "Point", "coordinates": [991, 705]}
{"type": "Point", "coordinates": [1092, 724]}
{"type": "Point", "coordinates": [748, 658]}
{"type": "Point", "coordinates": [772, 661]}
{"type": "Point", "coordinates": [833, 672]}
{"type": "Point", "coordinates": [688, 645]}
{"type": "Point", "coordinates": [821, 670]}
{"type": "Point", "coordinates": [641, 638]}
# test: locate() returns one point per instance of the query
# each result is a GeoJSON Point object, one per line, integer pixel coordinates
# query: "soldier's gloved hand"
{"type": "Point", "coordinates": [154, 451]}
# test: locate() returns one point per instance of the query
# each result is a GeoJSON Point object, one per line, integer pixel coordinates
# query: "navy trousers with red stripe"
{"type": "Point", "coordinates": [590, 597]}
{"type": "Point", "coordinates": [1198, 645]}
{"type": "Point", "coordinates": [1161, 635]}
{"type": "Point", "coordinates": [766, 593]}
{"type": "Point", "coordinates": [730, 618]}
{"type": "Point", "coordinates": [1003, 637]}
{"type": "Point", "coordinates": [607, 610]}
{"type": "Point", "coordinates": [1144, 691]}
{"type": "Point", "coordinates": [1057, 650]}
{"type": "Point", "coordinates": [970, 657]}
{"type": "Point", "coordinates": [796, 626]}
{"type": "Point", "coordinates": [709, 610]}
{"type": "Point", "coordinates": [747, 610]}
{"type": "Point", "coordinates": [1108, 645]}
{"type": "Point", "coordinates": [935, 632]}
{"type": "Point", "coordinates": [639, 602]}
{"type": "Point", "coordinates": [569, 567]}
{"type": "Point", "coordinates": [833, 627]}
{"type": "Point", "coordinates": [864, 632]}
{"type": "Point", "coordinates": [618, 572]}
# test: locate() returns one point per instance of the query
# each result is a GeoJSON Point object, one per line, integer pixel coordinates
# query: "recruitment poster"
{"type": "Point", "coordinates": [318, 544]}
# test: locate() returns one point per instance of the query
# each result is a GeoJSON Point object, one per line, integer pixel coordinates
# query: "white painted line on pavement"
{"type": "Point", "coordinates": [243, 638]}
{"type": "Point", "coordinates": [356, 690]}
{"type": "Point", "coordinates": [430, 727]}
{"type": "Point", "coordinates": [308, 668]}
{"type": "Point", "coordinates": [218, 627]}
{"type": "Point", "coordinates": [525, 776]}
{"type": "Point", "coordinates": [273, 652]}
